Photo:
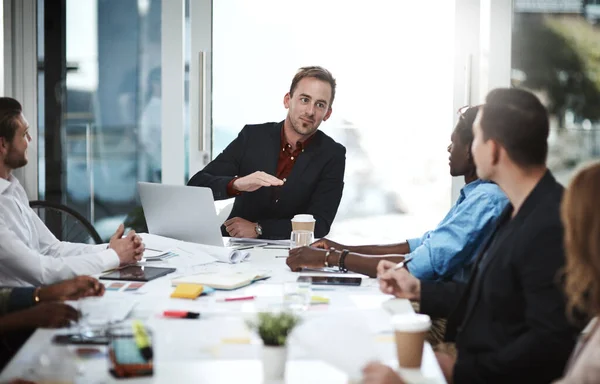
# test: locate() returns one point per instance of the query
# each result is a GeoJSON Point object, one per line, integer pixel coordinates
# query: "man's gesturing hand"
{"type": "Point", "coordinates": [256, 180]}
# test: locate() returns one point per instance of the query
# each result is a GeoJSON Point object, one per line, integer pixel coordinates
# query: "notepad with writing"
{"type": "Point", "coordinates": [224, 281]}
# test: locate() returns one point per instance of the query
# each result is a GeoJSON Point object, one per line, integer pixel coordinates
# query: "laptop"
{"type": "Point", "coordinates": [181, 212]}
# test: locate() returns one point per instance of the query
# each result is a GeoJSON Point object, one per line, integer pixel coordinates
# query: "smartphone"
{"type": "Point", "coordinates": [331, 280]}
{"type": "Point", "coordinates": [77, 339]}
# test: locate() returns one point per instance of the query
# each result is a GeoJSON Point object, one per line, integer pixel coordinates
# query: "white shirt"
{"type": "Point", "coordinates": [29, 252]}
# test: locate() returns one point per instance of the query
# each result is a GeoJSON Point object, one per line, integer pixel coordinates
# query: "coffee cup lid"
{"type": "Point", "coordinates": [303, 218]}
{"type": "Point", "coordinates": [411, 322]}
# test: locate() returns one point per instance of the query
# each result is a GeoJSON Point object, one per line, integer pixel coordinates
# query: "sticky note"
{"type": "Point", "coordinates": [187, 291]}
{"type": "Point", "coordinates": [115, 286]}
{"type": "Point", "coordinates": [319, 300]}
{"type": "Point", "coordinates": [134, 287]}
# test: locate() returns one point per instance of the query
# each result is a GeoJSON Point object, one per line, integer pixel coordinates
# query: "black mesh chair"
{"type": "Point", "coordinates": [66, 223]}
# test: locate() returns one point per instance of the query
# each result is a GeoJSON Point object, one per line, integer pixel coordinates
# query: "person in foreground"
{"type": "Point", "coordinates": [581, 217]}
{"type": "Point", "coordinates": [278, 170]}
{"type": "Point", "coordinates": [29, 252]}
{"type": "Point", "coordinates": [509, 321]}
{"type": "Point", "coordinates": [23, 309]}
{"type": "Point", "coordinates": [445, 253]}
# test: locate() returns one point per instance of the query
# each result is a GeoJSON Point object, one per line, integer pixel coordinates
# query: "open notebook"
{"type": "Point", "coordinates": [225, 281]}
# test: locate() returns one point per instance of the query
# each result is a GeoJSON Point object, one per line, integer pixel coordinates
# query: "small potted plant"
{"type": "Point", "coordinates": [273, 329]}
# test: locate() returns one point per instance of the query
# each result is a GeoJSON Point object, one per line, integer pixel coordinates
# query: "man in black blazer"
{"type": "Point", "coordinates": [278, 170]}
{"type": "Point", "coordinates": [509, 320]}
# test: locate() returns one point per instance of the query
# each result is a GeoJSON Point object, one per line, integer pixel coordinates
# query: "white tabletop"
{"type": "Point", "coordinates": [218, 348]}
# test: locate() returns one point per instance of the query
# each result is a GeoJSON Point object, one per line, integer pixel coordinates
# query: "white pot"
{"type": "Point", "coordinates": [274, 359]}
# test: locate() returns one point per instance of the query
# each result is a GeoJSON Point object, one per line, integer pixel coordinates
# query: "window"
{"type": "Point", "coordinates": [392, 61]}
{"type": "Point", "coordinates": [554, 54]}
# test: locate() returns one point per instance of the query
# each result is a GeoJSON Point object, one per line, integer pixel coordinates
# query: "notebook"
{"type": "Point", "coordinates": [224, 281]}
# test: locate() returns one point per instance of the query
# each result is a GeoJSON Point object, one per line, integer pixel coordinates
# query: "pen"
{"type": "Point", "coordinates": [153, 249]}
{"type": "Point", "coordinates": [142, 340]}
{"type": "Point", "coordinates": [402, 263]}
{"type": "Point", "coordinates": [181, 314]}
{"type": "Point", "coordinates": [242, 298]}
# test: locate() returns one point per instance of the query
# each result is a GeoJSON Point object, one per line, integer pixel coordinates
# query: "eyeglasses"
{"type": "Point", "coordinates": [462, 110]}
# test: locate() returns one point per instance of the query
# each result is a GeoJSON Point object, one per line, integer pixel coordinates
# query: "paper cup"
{"type": "Point", "coordinates": [410, 331]}
{"type": "Point", "coordinates": [303, 223]}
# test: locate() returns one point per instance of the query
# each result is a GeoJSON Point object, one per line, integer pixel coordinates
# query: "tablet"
{"type": "Point", "coordinates": [331, 280]}
{"type": "Point", "coordinates": [137, 273]}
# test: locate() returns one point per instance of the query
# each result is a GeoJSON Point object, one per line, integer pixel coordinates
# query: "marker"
{"type": "Point", "coordinates": [142, 340]}
{"type": "Point", "coordinates": [181, 314]}
{"type": "Point", "coordinates": [242, 298]}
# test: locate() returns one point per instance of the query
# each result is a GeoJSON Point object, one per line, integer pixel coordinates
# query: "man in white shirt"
{"type": "Point", "coordinates": [29, 252]}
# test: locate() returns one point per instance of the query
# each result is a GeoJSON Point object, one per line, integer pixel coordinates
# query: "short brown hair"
{"type": "Point", "coordinates": [580, 213]}
{"type": "Point", "coordinates": [519, 122]}
{"type": "Point", "coordinates": [318, 73]}
{"type": "Point", "coordinates": [10, 111]}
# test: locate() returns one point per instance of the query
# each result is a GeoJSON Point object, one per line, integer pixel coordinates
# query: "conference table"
{"type": "Point", "coordinates": [218, 347]}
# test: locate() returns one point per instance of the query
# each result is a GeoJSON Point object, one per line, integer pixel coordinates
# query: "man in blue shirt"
{"type": "Point", "coordinates": [445, 253]}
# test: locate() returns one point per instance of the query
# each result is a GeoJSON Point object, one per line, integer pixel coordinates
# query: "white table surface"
{"type": "Point", "coordinates": [218, 348]}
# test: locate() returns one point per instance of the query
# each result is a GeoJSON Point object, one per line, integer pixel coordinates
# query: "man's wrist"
{"type": "Point", "coordinates": [39, 295]}
{"type": "Point", "coordinates": [232, 191]}
{"type": "Point", "coordinates": [258, 230]}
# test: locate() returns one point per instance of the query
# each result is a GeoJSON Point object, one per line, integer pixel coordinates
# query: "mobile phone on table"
{"type": "Point", "coordinates": [77, 339]}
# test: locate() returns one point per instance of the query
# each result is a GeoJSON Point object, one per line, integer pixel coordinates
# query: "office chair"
{"type": "Point", "coordinates": [66, 223]}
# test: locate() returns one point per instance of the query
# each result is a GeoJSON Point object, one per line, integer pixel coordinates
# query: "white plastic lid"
{"type": "Point", "coordinates": [304, 218]}
{"type": "Point", "coordinates": [411, 322]}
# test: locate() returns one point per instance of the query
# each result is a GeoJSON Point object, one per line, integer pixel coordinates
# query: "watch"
{"type": "Point", "coordinates": [258, 230]}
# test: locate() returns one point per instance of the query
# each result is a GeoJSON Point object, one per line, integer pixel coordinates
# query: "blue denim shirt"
{"type": "Point", "coordinates": [447, 252]}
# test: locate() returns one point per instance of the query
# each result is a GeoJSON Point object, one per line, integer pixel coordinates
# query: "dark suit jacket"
{"type": "Point", "coordinates": [314, 186]}
{"type": "Point", "coordinates": [509, 320]}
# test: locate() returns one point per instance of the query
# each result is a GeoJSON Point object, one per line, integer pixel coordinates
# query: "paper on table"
{"type": "Point", "coordinates": [326, 338]}
{"type": "Point", "coordinates": [108, 308]}
{"type": "Point", "coordinates": [223, 254]}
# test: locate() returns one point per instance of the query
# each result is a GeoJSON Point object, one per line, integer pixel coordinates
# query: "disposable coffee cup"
{"type": "Point", "coordinates": [410, 331]}
{"type": "Point", "coordinates": [303, 223]}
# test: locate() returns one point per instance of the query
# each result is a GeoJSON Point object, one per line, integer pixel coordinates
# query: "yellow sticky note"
{"type": "Point", "coordinates": [187, 291]}
{"type": "Point", "coordinates": [319, 300]}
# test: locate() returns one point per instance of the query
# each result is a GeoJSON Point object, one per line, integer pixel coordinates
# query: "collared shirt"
{"type": "Point", "coordinates": [448, 251]}
{"type": "Point", "coordinates": [288, 155]}
{"type": "Point", "coordinates": [285, 162]}
{"type": "Point", "coordinates": [29, 252]}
